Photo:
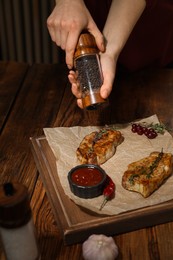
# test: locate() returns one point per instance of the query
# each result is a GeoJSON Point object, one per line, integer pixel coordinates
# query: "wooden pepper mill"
{"type": "Point", "coordinates": [17, 230]}
{"type": "Point", "coordinates": [87, 64]}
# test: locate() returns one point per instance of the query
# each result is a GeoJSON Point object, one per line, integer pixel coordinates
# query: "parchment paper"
{"type": "Point", "coordinates": [64, 142]}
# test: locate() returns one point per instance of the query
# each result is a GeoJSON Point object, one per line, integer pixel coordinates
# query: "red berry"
{"type": "Point", "coordinates": [145, 130]}
{"type": "Point", "coordinates": [134, 128]}
{"type": "Point", "coordinates": [151, 133]}
{"type": "Point", "coordinates": [151, 130]}
{"type": "Point", "coordinates": [139, 130]}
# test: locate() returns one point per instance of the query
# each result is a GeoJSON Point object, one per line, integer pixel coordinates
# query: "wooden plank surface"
{"type": "Point", "coordinates": [45, 100]}
{"type": "Point", "coordinates": [11, 79]}
{"type": "Point", "coordinates": [35, 107]}
{"type": "Point", "coordinates": [77, 224]}
{"type": "Point", "coordinates": [134, 96]}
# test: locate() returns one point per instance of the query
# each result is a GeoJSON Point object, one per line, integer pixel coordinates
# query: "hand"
{"type": "Point", "coordinates": [108, 64]}
{"type": "Point", "coordinates": [75, 87]}
{"type": "Point", "coordinates": [65, 24]}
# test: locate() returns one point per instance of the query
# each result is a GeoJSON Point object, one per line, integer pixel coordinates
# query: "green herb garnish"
{"type": "Point", "coordinates": [147, 171]}
{"type": "Point", "coordinates": [158, 127]}
{"type": "Point", "coordinates": [131, 179]}
{"type": "Point", "coordinates": [154, 165]}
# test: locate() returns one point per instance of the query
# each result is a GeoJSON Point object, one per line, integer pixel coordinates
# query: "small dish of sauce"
{"type": "Point", "coordinates": [87, 176]}
{"type": "Point", "coordinates": [87, 180]}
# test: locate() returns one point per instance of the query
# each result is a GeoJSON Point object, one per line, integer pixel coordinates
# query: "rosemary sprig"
{"type": "Point", "coordinates": [132, 177]}
{"type": "Point", "coordinates": [158, 127]}
{"type": "Point", "coordinates": [148, 171]}
{"type": "Point", "coordinates": [99, 134]}
{"type": "Point", "coordinates": [154, 165]}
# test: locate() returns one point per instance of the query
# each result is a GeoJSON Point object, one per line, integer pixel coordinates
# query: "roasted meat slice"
{"type": "Point", "coordinates": [148, 174]}
{"type": "Point", "coordinates": [99, 146]}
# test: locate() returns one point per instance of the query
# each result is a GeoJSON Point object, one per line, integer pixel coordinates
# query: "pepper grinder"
{"type": "Point", "coordinates": [17, 230]}
{"type": "Point", "coordinates": [89, 73]}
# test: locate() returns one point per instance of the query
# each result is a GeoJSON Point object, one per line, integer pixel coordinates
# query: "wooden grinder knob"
{"type": "Point", "coordinates": [86, 45]}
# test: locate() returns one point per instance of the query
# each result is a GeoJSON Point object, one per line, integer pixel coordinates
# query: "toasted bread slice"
{"type": "Point", "coordinates": [99, 146]}
{"type": "Point", "coordinates": [148, 174]}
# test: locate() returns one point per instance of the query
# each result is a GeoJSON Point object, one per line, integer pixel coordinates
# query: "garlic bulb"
{"type": "Point", "coordinates": [99, 247]}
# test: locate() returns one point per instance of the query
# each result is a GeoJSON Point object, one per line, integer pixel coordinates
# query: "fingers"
{"type": "Point", "coordinates": [75, 88]}
{"type": "Point", "coordinates": [99, 40]}
{"type": "Point", "coordinates": [79, 103]}
{"type": "Point", "coordinates": [108, 64]}
{"type": "Point", "coordinates": [71, 43]}
{"type": "Point", "coordinates": [72, 76]}
{"type": "Point", "coordinates": [72, 40]}
{"type": "Point", "coordinates": [62, 39]}
{"type": "Point", "coordinates": [65, 24]}
{"type": "Point", "coordinates": [51, 28]}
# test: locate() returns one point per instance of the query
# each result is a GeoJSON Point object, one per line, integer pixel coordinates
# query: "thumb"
{"type": "Point", "coordinates": [106, 88]}
{"type": "Point", "coordinates": [105, 91]}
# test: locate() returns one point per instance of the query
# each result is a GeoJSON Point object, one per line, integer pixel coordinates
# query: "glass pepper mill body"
{"type": "Point", "coordinates": [89, 73]}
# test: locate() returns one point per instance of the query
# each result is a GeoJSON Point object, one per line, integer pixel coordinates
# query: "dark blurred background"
{"type": "Point", "coordinates": [24, 35]}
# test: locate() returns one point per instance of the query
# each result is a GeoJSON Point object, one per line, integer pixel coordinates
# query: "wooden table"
{"type": "Point", "coordinates": [38, 96]}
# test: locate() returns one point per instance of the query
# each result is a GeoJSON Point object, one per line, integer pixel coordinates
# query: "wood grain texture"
{"type": "Point", "coordinates": [41, 97]}
{"type": "Point", "coordinates": [11, 79]}
{"type": "Point", "coordinates": [77, 224]}
{"type": "Point", "coordinates": [35, 107]}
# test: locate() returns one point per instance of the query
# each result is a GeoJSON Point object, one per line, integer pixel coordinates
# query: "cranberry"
{"type": "Point", "coordinates": [140, 130]}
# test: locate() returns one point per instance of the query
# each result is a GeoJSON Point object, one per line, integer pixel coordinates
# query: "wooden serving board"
{"type": "Point", "coordinates": [75, 223]}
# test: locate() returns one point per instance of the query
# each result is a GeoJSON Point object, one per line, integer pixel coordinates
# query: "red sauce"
{"type": "Point", "coordinates": [86, 176]}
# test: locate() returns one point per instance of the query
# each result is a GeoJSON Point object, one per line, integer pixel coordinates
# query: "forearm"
{"type": "Point", "coordinates": [121, 20]}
